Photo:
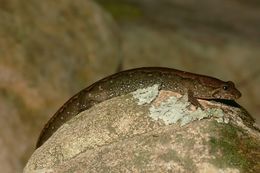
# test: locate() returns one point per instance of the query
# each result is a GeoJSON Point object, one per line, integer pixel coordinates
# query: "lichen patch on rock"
{"type": "Point", "coordinates": [146, 95]}
{"type": "Point", "coordinates": [176, 109]}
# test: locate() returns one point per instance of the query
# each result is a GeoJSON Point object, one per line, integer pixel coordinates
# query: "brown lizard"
{"type": "Point", "coordinates": [196, 85]}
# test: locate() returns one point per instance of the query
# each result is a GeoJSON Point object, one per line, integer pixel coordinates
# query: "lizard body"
{"type": "Point", "coordinates": [199, 86]}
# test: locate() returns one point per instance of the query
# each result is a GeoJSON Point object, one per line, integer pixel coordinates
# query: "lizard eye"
{"type": "Point", "coordinates": [225, 87]}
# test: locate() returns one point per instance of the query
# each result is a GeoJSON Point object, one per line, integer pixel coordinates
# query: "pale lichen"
{"type": "Point", "coordinates": [176, 109]}
{"type": "Point", "coordinates": [146, 95]}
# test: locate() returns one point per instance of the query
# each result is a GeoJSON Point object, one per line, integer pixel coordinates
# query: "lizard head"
{"type": "Point", "coordinates": [226, 90]}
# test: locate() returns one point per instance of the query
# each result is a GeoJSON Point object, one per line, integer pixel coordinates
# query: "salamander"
{"type": "Point", "coordinates": [196, 85]}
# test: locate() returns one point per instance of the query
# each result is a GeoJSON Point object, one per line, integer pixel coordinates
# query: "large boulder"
{"type": "Point", "coordinates": [152, 131]}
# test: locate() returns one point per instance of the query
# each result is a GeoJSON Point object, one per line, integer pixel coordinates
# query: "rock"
{"type": "Point", "coordinates": [48, 51]}
{"type": "Point", "coordinates": [129, 134]}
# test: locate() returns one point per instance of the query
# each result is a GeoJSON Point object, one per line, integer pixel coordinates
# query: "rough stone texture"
{"type": "Point", "coordinates": [119, 135]}
{"type": "Point", "coordinates": [49, 50]}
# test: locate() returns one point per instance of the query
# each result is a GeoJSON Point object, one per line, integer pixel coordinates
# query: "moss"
{"type": "Point", "coordinates": [121, 10]}
{"type": "Point", "coordinates": [231, 157]}
{"type": "Point", "coordinates": [234, 148]}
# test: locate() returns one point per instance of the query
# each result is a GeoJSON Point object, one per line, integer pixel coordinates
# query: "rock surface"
{"type": "Point", "coordinates": [123, 135]}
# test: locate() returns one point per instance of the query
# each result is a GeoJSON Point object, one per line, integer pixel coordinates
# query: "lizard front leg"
{"type": "Point", "coordinates": [193, 100]}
